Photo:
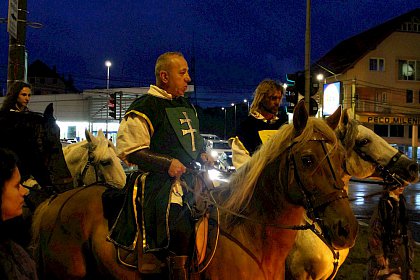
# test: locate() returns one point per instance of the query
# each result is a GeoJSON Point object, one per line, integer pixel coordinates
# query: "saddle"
{"type": "Point", "coordinates": [126, 228]}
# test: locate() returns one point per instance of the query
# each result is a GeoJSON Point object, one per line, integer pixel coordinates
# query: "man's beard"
{"type": "Point", "coordinates": [274, 112]}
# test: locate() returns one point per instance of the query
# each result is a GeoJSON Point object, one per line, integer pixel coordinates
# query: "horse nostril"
{"type": "Point", "coordinates": [344, 230]}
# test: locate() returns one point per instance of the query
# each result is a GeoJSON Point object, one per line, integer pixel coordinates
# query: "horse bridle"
{"type": "Point", "coordinates": [311, 202]}
{"type": "Point", "coordinates": [99, 176]}
{"type": "Point", "coordinates": [389, 178]}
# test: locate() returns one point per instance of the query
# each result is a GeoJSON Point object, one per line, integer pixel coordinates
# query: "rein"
{"type": "Point", "coordinates": [58, 217]}
{"type": "Point", "coordinates": [213, 202]}
{"type": "Point", "coordinates": [99, 176]}
{"type": "Point", "coordinates": [335, 253]}
{"type": "Point", "coordinates": [309, 205]}
{"type": "Point", "coordinates": [389, 178]}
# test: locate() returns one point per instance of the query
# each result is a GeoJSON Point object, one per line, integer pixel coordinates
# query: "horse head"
{"type": "Point", "coordinates": [369, 155]}
{"type": "Point", "coordinates": [95, 160]}
{"type": "Point", "coordinates": [299, 166]}
{"type": "Point", "coordinates": [35, 138]}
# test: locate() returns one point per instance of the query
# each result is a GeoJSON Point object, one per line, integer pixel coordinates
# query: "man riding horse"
{"type": "Point", "coordinates": [160, 134]}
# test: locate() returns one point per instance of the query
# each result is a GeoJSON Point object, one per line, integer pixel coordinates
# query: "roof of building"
{"type": "Point", "coordinates": [347, 53]}
{"type": "Point", "coordinates": [40, 69]}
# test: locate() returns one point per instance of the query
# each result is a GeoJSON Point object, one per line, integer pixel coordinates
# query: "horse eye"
{"type": "Point", "coordinates": [363, 142]}
{"type": "Point", "coordinates": [105, 162]}
{"type": "Point", "coordinates": [307, 161]}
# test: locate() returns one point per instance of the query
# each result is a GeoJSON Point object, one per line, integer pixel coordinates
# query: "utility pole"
{"type": "Point", "coordinates": [308, 54]}
{"type": "Point", "coordinates": [17, 69]}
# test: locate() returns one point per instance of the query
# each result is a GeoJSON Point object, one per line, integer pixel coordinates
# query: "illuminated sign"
{"type": "Point", "coordinates": [390, 120]}
{"type": "Point", "coordinates": [331, 99]}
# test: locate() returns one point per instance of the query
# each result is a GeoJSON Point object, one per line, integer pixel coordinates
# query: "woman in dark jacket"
{"type": "Point", "coordinates": [17, 98]}
{"type": "Point", "coordinates": [15, 262]}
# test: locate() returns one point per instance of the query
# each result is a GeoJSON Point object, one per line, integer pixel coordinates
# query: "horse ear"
{"type": "Point", "coordinates": [49, 111]}
{"type": "Point", "coordinates": [101, 134]}
{"type": "Point", "coordinates": [300, 117]}
{"type": "Point", "coordinates": [89, 136]}
{"type": "Point", "coordinates": [345, 118]}
{"type": "Point", "coordinates": [334, 119]}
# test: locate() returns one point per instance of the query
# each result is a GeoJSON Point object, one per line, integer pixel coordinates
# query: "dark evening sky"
{"type": "Point", "coordinates": [230, 45]}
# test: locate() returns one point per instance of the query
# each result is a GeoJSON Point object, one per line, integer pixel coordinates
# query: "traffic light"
{"type": "Point", "coordinates": [292, 98]}
{"type": "Point", "coordinates": [112, 105]}
{"type": "Point", "coordinates": [299, 83]}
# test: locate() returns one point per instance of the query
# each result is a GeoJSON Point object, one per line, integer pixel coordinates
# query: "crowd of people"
{"type": "Point", "coordinates": [160, 134]}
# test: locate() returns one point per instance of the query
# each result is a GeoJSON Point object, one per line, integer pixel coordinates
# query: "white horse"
{"type": "Point", "coordinates": [94, 160]}
{"type": "Point", "coordinates": [368, 155]}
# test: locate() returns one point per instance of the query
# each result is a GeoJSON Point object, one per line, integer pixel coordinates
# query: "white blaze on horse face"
{"type": "Point", "coordinates": [105, 158]}
{"type": "Point", "coordinates": [375, 147]}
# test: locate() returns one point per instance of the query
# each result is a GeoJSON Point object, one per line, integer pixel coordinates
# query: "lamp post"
{"type": "Point", "coordinates": [234, 105]}
{"type": "Point", "coordinates": [108, 65]}
{"type": "Point", "coordinates": [320, 78]}
{"type": "Point", "coordinates": [224, 109]}
{"type": "Point", "coordinates": [247, 103]}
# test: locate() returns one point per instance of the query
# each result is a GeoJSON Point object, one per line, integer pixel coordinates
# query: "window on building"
{"type": "Point", "coordinates": [410, 133]}
{"type": "Point", "coordinates": [409, 96]}
{"type": "Point", "coordinates": [410, 26]}
{"type": "Point", "coordinates": [377, 64]}
{"type": "Point", "coordinates": [381, 130]}
{"type": "Point", "coordinates": [409, 70]}
{"type": "Point", "coordinates": [42, 81]}
{"type": "Point", "coordinates": [396, 131]}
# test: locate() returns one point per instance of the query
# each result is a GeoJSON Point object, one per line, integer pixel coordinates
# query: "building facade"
{"type": "Point", "coordinates": [379, 71]}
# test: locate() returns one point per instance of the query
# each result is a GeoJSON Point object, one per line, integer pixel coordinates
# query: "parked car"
{"type": "Point", "coordinates": [208, 137]}
{"type": "Point", "coordinates": [215, 148]}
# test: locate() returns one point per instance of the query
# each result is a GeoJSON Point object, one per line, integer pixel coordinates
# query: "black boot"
{"type": "Point", "coordinates": [178, 267]}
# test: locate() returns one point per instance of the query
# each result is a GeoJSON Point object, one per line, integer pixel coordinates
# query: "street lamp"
{"type": "Point", "coordinates": [320, 78]}
{"type": "Point", "coordinates": [224, 109]}
{"type": "Point", "coordinates": [234, 105]}
{"type": "Point", "coordinates": [247, 103]}
{"type": "Point", "coordinates": [108, 65]}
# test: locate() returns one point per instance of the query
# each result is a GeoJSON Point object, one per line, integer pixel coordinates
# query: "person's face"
{"type": "Point", "coordinates": [398, 190]}
{"type": "Point", "coordinates": [24, 97]}
{"type": "Point", "coordinates": [177, 77]}
{"type": "Point", "coordinates": [12, 197]}
{"type": "Point", "coordinates": [271, 102]}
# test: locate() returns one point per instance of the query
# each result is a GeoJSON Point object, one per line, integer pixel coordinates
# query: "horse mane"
{"type": "Point", "coordinates": [347, 135]}
{"type": "Point", "coordinates": [243, 182]}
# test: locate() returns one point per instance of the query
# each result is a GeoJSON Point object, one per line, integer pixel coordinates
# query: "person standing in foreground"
{"type": "Point", "coordinates": [390, 243]}
{"type": "Point", "coordinates": [263, 119]}
{"type": "Point", "coordinates": [15, 262]}
{"type": "Point", "coordinates": [160, 134]}
{"type": "Point", "coordinates": [17, 98]}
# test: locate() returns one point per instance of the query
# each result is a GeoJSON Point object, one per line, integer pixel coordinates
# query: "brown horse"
{"type": "Point", "coordinates": [298, 169]}
{"type": "Point", "coordinates": [367, 155]}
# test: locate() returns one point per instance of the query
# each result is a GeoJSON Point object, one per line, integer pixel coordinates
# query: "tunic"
{"type": "Point", "coordinates": [165, 126]}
